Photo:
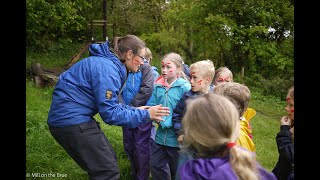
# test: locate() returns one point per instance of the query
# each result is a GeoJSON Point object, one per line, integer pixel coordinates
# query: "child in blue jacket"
{"type": "Point", "coordinates": [202, 73]}
{"type": "Point", "coordinates": [168, 90]}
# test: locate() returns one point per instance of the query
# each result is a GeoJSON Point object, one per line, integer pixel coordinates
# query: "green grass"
{"type": "Point", "coordinates": [265, 126]}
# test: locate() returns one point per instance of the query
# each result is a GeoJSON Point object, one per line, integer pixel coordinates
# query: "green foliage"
{"type": "Point", "coordinates": [60, 54]}
{"type": "Point", "coordinates": [276, 86]}
{"type": "Point", "coordinates": [237, 34]}
{"type": "Point", "coordinates": [47, 21]}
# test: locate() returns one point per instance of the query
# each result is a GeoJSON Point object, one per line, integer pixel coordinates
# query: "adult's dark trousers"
{"type": "Point", "coordinates": [136, 145]}
{"type": "Point", "coordinates": [90, 149]}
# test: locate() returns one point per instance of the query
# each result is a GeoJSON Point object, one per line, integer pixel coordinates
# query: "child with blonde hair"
{"type": "Point", "coordinates": [168, 90]}
{"type": "Point", "coordinates": [240, 95]}
{"type": "Point", "coordinates": [211, 127]}
{"type": "Point", "coordinates": [201, 76]}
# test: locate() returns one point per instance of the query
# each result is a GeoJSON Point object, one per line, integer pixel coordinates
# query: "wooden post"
{"type": "Point", "coordinates": [105, 37]}
{"type": "Point", "coordinates": [242, 74]}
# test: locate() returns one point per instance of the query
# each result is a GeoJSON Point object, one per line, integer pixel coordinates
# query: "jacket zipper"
{"type": "Point", "coordinates": [166, 103]}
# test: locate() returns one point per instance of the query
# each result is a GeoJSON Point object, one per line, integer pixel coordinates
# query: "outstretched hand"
{"type": "Point", "coordinates": [156, 112]}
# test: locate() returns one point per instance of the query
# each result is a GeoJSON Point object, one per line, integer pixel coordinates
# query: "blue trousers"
{"type": "Point", "coordinates": [136, 145]}
{"type": "Point", "coordinates": [163, 161]}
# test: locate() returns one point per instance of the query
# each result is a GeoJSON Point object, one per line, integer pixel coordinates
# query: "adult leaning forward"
{"type": "Point", "coordinates": [92, 86]}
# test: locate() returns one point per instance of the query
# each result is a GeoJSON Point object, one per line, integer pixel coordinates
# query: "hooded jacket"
{"type": "Point", "coordinates": [92, 86]}
{"type": "Point", "coordinates": [169, 97]}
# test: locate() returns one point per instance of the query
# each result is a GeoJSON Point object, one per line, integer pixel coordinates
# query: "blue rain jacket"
{"type": "Point", "coordinates": [92, 86]}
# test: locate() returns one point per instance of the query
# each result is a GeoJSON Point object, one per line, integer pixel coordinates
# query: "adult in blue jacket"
{"type": "Point", "coordinates": [92, 86]}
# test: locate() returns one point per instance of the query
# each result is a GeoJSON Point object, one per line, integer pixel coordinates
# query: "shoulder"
{"type": "Point", "coordinates": [146, 66]}
{"type": "Point", "coordinates": [154, 68]}
{"type": "Point", "coordinates": [105, 66]}
{"type": "Point", "coordinates": [100, 62]}
{"type": "Point", "coordinates": [185, 84]}
{"type": "Point", "coordinates": [185, 96]}
{"type": "Point", "coordinates": [182, 82]}
{"type": "Point", "coordinates": [189, 93]}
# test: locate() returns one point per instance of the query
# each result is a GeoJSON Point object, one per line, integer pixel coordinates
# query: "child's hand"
{"type": "Point", "coordinates": [285, 120]}
{"type": "Point", "coordinates": [180, 139]}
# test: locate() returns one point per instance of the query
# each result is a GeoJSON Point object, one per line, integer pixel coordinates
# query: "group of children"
{"type": "Point", "coordinates": [207, 134]}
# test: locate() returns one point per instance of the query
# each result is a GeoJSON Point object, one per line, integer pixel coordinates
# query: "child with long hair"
{"type": "Point", "coordinates": [168, 90]}
{"type": "Point", "coordinates": [211, 126]}
{"type": "Point", "coordinates": [284, 168]}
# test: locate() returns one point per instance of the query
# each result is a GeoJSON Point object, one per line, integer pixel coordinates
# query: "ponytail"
{"type": "Point", "coordinates": [243, 163]}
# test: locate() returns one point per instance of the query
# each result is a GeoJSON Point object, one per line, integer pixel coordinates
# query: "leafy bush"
{"type": "Point", "coordinates": [275, 86]}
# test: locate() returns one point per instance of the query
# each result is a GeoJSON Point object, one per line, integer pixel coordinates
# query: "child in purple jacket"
{"type": "Point", "coordinates": [211, 127]}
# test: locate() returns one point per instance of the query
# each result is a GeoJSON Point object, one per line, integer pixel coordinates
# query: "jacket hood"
{"type": "Point", "coordinates": [102, 50]}
{"type": "Point", "coordinates": [160, 80]}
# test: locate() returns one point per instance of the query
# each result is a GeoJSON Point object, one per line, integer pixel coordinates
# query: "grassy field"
{"type": "Point", "coordinates": [45, 156]}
